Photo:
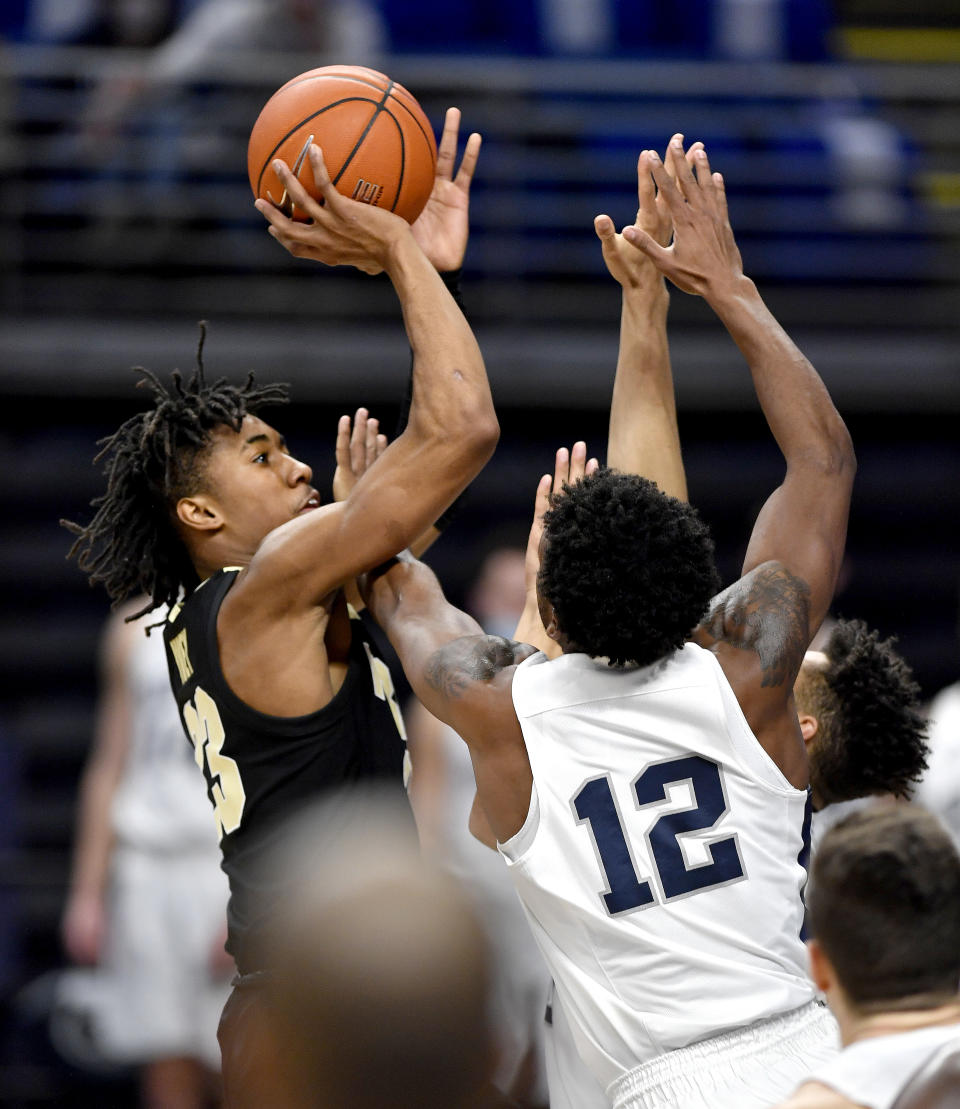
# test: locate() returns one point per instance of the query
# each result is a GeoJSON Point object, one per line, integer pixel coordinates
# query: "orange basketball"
{"type": "Point", "coordinates": [377, 143]}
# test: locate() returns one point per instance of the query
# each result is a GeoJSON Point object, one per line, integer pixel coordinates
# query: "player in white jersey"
{"type": "Point", "coordinates": [147, 901]}
{"type": "Point", "coordinates": [939, 789]}
{"type": "Point", "coordinates": [857, 701]}
{"type": "Point", "coordinates": [858, 704]}
{"type": "Point", "coordinates": [885, 913]}
{"type": "Point", "coordinates": [680, 862]}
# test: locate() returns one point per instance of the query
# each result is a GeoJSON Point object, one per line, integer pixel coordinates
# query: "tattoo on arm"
{"type": "Point", "coordinates": [769, 613]}
{"type": "Point", "coordinates": [455, 666]}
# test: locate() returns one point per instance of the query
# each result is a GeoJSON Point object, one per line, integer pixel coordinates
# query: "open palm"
{"type": "Point", "coordinates": [443, 227]}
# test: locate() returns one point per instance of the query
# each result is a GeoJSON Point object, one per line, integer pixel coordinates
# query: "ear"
{"type": "Point", "coordinates": [809, 726]}
{"type": "Point", "coordinates": [552, 629]}
{"type": "Point", "coordinates": [821, 969]}
{"type": "Point", "coordinates": [199, 512]}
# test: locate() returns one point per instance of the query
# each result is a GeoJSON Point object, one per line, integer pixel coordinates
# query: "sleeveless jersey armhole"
{"type": "Point", "coordinates": [517, 846]}
{"type": "Point", "coordinates": [768, 774]}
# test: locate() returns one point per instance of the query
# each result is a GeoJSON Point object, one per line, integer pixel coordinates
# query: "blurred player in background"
{"type": "Point", "coordinates": [684, 980]}
{"type": "Point", "coordinates": [939, 791]}
{"type": "Point", "coordinates": [147, 900]}
{"type": "Point", "coordinates": [279, 688]}
{"type": "Point", "coordinates": [885, 914]}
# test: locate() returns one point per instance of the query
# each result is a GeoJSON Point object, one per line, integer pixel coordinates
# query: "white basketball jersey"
{"type": "Point", "coordinates": [161, 803]}
{"type": "Point", "coordinates": [939, 789]}
{"type": "Point", "coordinates": [873, 1072]}
{"type": "Point", "coordinates": [658, 864]}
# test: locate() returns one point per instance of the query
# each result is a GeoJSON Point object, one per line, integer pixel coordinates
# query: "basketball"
{"type": "Point", "coordinates": [377, 143]}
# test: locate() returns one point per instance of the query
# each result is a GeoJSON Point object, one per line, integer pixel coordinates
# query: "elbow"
{"type": "Point", "coordinates": [835, 456]}
{"type": "Point", "coordinates": [485, 435]}
{"type": "Point", "coordinates": [845, 457]}
{"type": "Point", "coordinates": [473, 436]}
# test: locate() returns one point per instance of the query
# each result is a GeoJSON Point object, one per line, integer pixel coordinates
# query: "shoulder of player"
{"type": "Point", "coordinates": [765, 615]}
{"type": "Point", "coordinates": [298, 565]}
{"type": "Point", "coordinates": [814, 1095]}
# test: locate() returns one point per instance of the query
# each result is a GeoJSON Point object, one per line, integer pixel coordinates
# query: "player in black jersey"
{"type": "Point", "coordinates": [206, 510]}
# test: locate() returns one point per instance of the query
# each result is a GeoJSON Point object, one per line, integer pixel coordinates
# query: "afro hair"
{"type": "Point", "coordinates": [628, 570]}
{"type": "Point", "coordinates": [872, 731]}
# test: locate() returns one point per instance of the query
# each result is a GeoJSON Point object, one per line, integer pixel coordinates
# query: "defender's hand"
{"type": "Point", "coordinates": [443, 227]}
{"type": "Point", "coordinates": [358, 447]}
{"type": "Point", "coordinates": [703, 259]}
{"type": "Point", "coordinates": [342, 232]}
{"type": "Point", "coordinates": [569, 467]}
{"type": "Point", "coordinates": [631, 268]}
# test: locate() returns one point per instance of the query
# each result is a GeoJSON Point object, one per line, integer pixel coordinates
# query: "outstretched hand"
{"type": "Point", "coordinates": [443, 227]}
{"type": "Point", "coordinates": [569, 467]}
{"type": "Point", "coordinates": [342, 231]}
{"type": "Point", "coordinates": [703, 258]}
{"type": "Point", "coordinates": [359, 444]}
{"type": "Point", "coordinates": [630, 267]}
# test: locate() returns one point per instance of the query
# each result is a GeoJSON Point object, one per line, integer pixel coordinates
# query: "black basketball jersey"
{"type": "Point", "coordinates": [261, 769]}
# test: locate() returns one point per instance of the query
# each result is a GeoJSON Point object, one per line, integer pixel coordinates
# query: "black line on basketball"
{"type": "Point", "coordinates": [403, 153]}
{"type": "Point", "coordinates": [419, 125]}
{"type": "Point", "coordinates": [366, 131]}
{"type": "Point", "coordinates": [296, 127]}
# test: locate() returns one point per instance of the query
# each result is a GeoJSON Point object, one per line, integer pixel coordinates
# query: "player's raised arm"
{"type": "Point", "coordinates": [451, 429]}
{"type": "Point", "coordinates": [643, 436]}
{"type": "Point", "coordinates": [797, 543]}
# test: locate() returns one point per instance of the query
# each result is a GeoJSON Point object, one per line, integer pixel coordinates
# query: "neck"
{"type": "Point", "coordinates": [208, 562]}
{"type": "Point", "coordinates": [856, 1026]}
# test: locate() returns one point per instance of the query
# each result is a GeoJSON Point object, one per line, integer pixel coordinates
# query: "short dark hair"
{"type": "Point", "coordinates": [884, 904]}
{"type": "Point", "coordinates": [131, 546]}
{"type": "Point", "coordinates": [628, 570]}
{"type": "Point", "coordinates": [871, 735]}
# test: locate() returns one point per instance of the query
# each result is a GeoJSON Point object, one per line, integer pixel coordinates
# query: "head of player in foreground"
{"type": "Point", "coordinates": [380, 970]}
{"type": "Point", "coordinates": [884, 907]}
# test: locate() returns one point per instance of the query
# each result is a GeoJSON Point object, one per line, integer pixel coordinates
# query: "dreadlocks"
{"type": "Point", "coordinates": [152, 460]}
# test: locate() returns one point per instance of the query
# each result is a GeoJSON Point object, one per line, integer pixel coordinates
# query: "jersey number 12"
{"type": "Point", "coordinates": [594, 805]}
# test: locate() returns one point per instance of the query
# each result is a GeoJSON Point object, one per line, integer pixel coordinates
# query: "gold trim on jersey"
{"type": "Point", "coordinates": [181, 656]}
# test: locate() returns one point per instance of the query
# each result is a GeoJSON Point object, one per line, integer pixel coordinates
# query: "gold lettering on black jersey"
{"type": "Point", "coordinates": [383, 689]}
{"type": "Point", "coordinates": [205, 728]}
{"type": "Point", "coordinates": [178, 647]}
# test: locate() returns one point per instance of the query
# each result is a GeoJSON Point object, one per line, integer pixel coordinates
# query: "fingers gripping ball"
{"type": "Point", "coordinates": [378, 145]}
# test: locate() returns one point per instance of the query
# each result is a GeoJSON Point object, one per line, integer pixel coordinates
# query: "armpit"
{"type": "Point", "coordinates": [768, 612]}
